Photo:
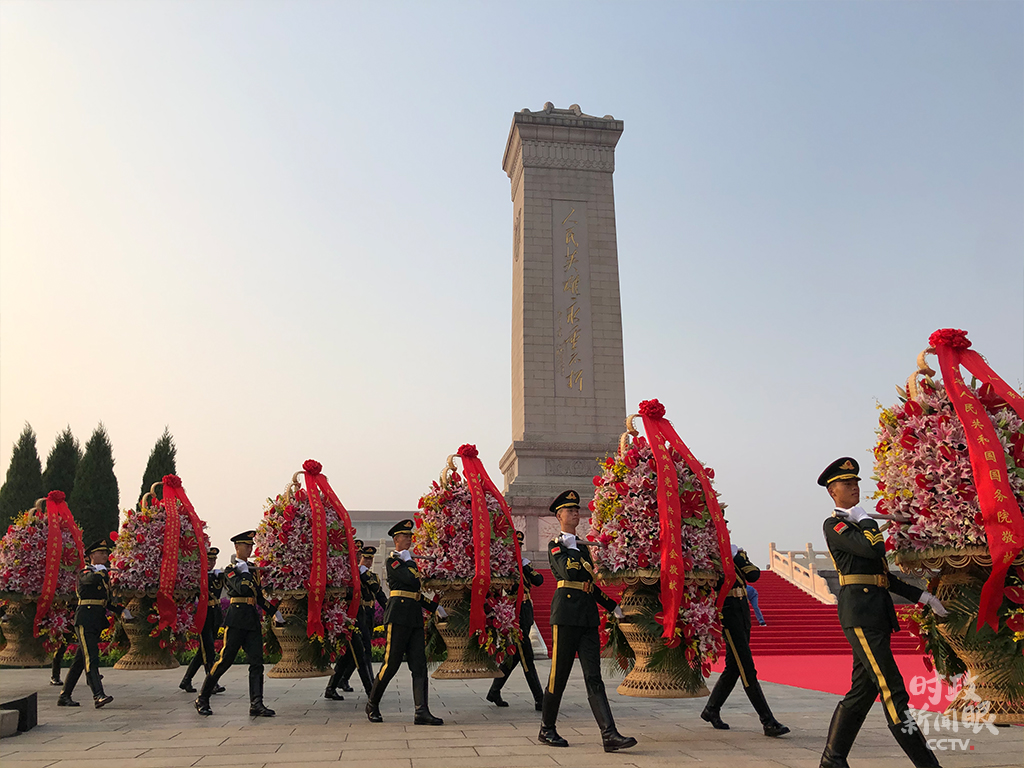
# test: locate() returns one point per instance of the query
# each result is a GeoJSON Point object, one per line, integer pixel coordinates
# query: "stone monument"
{"type": "Point", "coordinates": [568, 388]}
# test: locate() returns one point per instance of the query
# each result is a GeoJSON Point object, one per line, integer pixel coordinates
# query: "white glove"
{"type": "Point", "coordinates": [927, 598]}
{"type": "Point", "coordinates": [857, 514]}
{"type": "Point", "coordinates": [526, 562]}
{"type": "Point", "coordinates": [442, 612]}
{"type": "Point", "coordinates": [363, 569]}
{"type": "Point", "coordinates": [618, 613]}
{"type": "Point", "coordinates": [99, 567]}
{"type": "Point", "coordinates": [279, 618]}
{"type": "Point", "coordinates": [126, 615]}
{"type": "Point", "coordinates": [218, 571]}
{"type": "Point", "coordinates": [405, 555]}
{"type": "Point", "coordinates": [241, 566]}
{"type": "Point", "coordinates": [569, 539]}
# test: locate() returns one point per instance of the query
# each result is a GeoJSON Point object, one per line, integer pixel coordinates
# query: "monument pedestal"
{"type": "Point", "coordinates": [568, 384]}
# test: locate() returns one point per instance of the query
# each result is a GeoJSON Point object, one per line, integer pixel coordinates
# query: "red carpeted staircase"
{"type": "Point", "coordinates": [798, 624]}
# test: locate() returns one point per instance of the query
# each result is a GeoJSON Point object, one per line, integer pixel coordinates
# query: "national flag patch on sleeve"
{"type": "Point", "coordinates": [395, 563]}
{"type": "Point", "coordinates": [839, 527]}
{"type": "Point", "coordinates": [554, 550]}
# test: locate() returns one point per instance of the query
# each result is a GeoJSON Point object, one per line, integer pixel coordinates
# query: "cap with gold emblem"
{"type": "Point", "coordinates": [245, 537]}
{"type": "Point", "coordinates": [565, 499]}
{"type": "Point", "coordinates": [520, 536]}
{"type": "Point", "coordinates": [212, 552]}
{"type": "Point", "coordinates": [368, 551]}
{"type": "Point", "coordinates": [402, 526]}
{"type": "Point", "coordinates": [103, 545]}
{"type": "Point", "coordinates": [845, 468]}
{"type": "Point", "coordinates": [358, 544]}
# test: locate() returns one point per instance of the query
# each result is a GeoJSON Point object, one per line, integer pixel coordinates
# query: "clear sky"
{"type": "Point", "coordinates": [282, 229]}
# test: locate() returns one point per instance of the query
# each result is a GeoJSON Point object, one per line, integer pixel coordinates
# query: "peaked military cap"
{"type": "Point", "coordinates": [844, 468]}
{"type": "Point", "coordinates": [358, 544]}
{"type": "Point", "coordinates": [245, 537]}
{"type": "Point", "coordinates": [565, 499]}
{"type": "Point", "coordinates": [368, 551]}
{"type": "Point", "coordinates": [102, 545]}
{"type": "Point", "coordinates": [402, 526]}
{"type": "Point", "coordinates": [520, 536]}
{"type": "Point", "coordinates": [212, 551]}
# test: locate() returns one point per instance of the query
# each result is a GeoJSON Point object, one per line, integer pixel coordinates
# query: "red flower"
{"type": "Point", "coordinates": [172, 481]}
{"type": "Point", "coordinates": [336, 538]}
{"type": "Point", "coordinates": [591, 506]}
{"type": "Point", "coordinates": [1016, 594]}
{"type": "Point", "coordinates": [1016, 622]}
{"type": "Point", "coordinates": [500, 524]}
{"type": "Point", "coordinates": [988, 397]}
{"type": "Point", "coordinates": [954, 338]}
{"type": "Point", "coordinates": [642, 560]}
{"type": "Point", "coordinates": [652, 409]}
{"type": "Point", "coordinates": [609, 463]}
{"type": "Point", "coordinates": [622, 488]}
{"type": "Point", "coordinates": [312, 467]}
{"type": "Point", "coordinates": [55, 497]}
{"type": "Point", "coordinates": [113, 535]}
{"type": "Point", "coordinates": [598, 481]}
{"type": "Point", "coordinates": [468, 451]}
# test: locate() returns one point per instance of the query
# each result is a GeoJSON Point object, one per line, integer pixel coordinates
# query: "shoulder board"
{"type": "Point", "coordinates": [840, 527]}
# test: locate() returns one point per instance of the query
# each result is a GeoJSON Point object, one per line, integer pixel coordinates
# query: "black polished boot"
{"type": "Point", "coordinates": [65, 700]}
{"type": "Point", "coordinates": [772, 727]}
{"type": "Point", "coordinates": [203, 706]}
{"type": "Point", "coordinates": [373, 703]}
{"type": "Point", "coordinates": [549, 713]}
{"type": "Point", "coordinates": [535, 688]}
{"type": "Point", "coordinates": [419, 697]}
{"type": "Point", "coordinates": [915, 745]}
{"type": "Point", "coordinates": [842, 732]}
{"type": "Point", "coordinates": [256, 706]}
{"type": "Point", "coordinates": [331, 694]}
{"type": "Point", "coordinates": [613, 740]}
{"type": "Point", "coordinates": [101, 700]}
{"type": "Point", "coordinates": [494, 695]}
{"type": "Point", "coordinates": [711, 715]}
{"type": "Point", "coordinates": [186, 684]}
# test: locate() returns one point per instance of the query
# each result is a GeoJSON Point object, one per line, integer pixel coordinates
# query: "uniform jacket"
{"type": "Point", "coordinates": [570, 606]}
{"type": "Point", "coordinates": [215, 585]}
{"type": "Point", "coordinates": [403, 576]}
{"type": "Point", "coordinates": [238, 584]}
{"type": "Point", "coordinates": [94, 585]}
{"type": "Point", "coordinates": [736, 610]}
{"type": "Point", "coordinates": [858, 548]}
{"type": "Point", "coordinates": [371, 592]}
{"type": "Point", "coordinates": [531, 578]}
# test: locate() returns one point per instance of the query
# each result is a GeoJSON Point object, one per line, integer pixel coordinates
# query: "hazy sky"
{"type": "Point", "coordinates": [282, 229]}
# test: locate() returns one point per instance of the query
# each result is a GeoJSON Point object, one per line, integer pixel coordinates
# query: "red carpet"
{"type": "Point", "coordinates": [803, 644]}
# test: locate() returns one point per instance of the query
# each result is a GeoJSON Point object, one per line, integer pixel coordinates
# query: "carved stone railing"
{"type": "Point", "coordinates": [801, 569]}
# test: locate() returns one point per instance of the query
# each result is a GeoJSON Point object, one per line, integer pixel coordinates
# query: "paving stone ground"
{"type": "Point", "coordinates": [151, 724]}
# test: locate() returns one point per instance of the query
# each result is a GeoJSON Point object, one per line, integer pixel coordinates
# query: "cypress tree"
{"type": "Point", "coordinates": [62, 463]}
{"type": "Point", "coordinates": [24, 483]}
{"type": "Point", "coordinates": [161, 462]}
{"type": "Point", "coordinates": [95, 498]}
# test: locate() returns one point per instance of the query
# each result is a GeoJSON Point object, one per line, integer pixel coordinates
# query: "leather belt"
{"type": "Point", "coordinates": [367, 603]}
{"type": "Point", "coordinates": [405, 593]}
{"type": "Point", "coordinates": [213, 603]}
{"type": "Point", "coordinates": [737, 592]}
{"type": "Point", "coordinates": [583, 586]}
{"type": "Point", "coordinates": [92, 602]}
{"type": "Point", "coordinates": [870, 579]}
{"type": "Point", "coordinates": [243, 601]}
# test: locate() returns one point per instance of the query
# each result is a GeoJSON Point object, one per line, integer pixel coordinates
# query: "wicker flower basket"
{"type": "Point", "coordinates": [23, 649]}
{"type": "Point", "coordinates": [461, 663]}
{"type": "Point", "coordinates": [144, 651]}
{"type": "Point", "coordinates": [296, 660]}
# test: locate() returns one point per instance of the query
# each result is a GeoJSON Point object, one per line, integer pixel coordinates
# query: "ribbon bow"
{"type": "Point", "coordinates": [174, 497]}
{"type": "Point", "coordinates": [58, 519]}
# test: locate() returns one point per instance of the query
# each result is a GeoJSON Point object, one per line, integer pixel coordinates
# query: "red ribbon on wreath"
{"type": "Point", "coordinates": [479, 485]}
{"type": "Point", "coordinates": [58, 519]}
{"type": "Point", "coordinates": [1004, 525]}
{"type": "Point", "coordinates": [659, 431]}
{"type": "Point", "coordinates": [316, 483]}
{"type": "Point", "coordinates": [174, 497]}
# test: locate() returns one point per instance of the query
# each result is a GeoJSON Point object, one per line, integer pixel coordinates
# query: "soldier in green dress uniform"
{"type": "Point", "coordinates": [93, 591]}
{"type": "Point", "coordinates": [242, 629]}
{"type": "Point", "coordinates": [405, 636]}
{"type": "Point", "coordinates": [575, 622]}
{"type": "Point", "coordinates": [208, 636]}
{"type": "Point", "coordinates": [868, 619]}
{"type": "Point", "coordinates": [739, 663]}
{"type": "Point", "coordinates": [358, 656]}
{"type": "Point", "coordinates": [531, 578]}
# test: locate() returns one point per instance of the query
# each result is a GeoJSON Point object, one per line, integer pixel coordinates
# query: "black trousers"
{"type": "Point", "coordinates": [58, 656]}
{"type": "Point", "coordinates": [875, 673]}
{"type": "Point", "coordinates": [205, 655]}
{"type": "Point", "coordinates": [88, 659]}
{"type": "Point", "coordinates": [403, 641]}
{"type": "Point", "coordinates": [524, 655]}
{"type": "Point", "coordinates": [570, 642]}
{"type": "Point", "coordinates": [364, 657]}
{"type": "Point", "coordinates": [739, 663]}
{"type": "Point", "coordinates": [250, 640]}
{"type": "Point", "coordinates": [351, 661]}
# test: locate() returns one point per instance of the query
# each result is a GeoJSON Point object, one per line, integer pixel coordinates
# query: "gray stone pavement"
{"type": "Point", "coordinates": [151, 724]}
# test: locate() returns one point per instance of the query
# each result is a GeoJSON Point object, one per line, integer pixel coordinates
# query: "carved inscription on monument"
{"type": "Point", "coordinates": [574, 357]}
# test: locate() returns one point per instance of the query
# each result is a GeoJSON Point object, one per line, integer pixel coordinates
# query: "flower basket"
{"type": "Point", "coordinates": [467, 552]}
{"type": "Point", "coordinates": [640, 536]}
{"type": "Point", "coordinates": [40, 556]}
{"type": "Point", "coordinates": [964, 535]}
{"type": "Point", "coordinates": [158, 566]}
{"type": "Point", "coordinates": [305, 550]}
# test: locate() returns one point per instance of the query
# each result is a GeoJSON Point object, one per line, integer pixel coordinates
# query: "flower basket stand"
{"type": "Point", "coordinates": [292, 637]}
{"type": "Point", "coordinates": [23, 648]}
{"type": "Point", "coordinates": [144, 652]}
{"type": "Point", "coordinates": [457, 666]}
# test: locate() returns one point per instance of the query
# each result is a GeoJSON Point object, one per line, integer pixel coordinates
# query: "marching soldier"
{"type": "Point", "coordinates": [372, 596]}
{"type": "Point", "coordinates": [58, 657]}
{"type": "Point", "coordinates": [868, 619]}
{"type": "Point", "coordinates": [206, 655]}
{"type": "Point", "coordinates": [358, 656]}
{"type": "Point", "coordinates": [739, 663]}
{"type": "Point", "coordinates": [530, 579]}
{"type": "Point", "coordinates": [242, 629]}
{"type": "Point", "coordinates": [574, 622]}
{"type": "Point", "coordinates": [90, 620]}
{"type": "Point", "coordinates": [404, 619]}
